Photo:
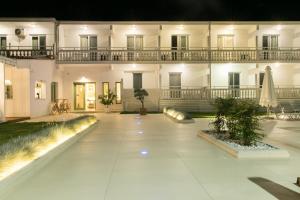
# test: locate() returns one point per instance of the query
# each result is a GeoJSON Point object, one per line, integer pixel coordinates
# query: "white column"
{"type": "Point", "coordinates": [2, 92]}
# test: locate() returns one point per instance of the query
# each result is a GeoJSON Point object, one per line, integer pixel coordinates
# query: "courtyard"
{"type": "Point", "coordinates": [150, 157]}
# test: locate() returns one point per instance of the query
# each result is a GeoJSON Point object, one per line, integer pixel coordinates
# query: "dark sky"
{"type": "Point", "coordinates": [154, 9]}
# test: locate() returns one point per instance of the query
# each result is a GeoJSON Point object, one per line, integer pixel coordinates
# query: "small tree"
{"type": "Point", "coordinates": [248, 122]}
{"type": "Point", "coordinates": [108, 99]}
{"type": "Point", "coordinates": [140, 94]}
{"type": "Point", "coordinates": [223, 110]}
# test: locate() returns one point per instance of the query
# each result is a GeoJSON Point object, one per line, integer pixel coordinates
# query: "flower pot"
{"type": "Point", "coordinates": [143, 111]}
{"type": "Point", "coordinates": [106, 109]}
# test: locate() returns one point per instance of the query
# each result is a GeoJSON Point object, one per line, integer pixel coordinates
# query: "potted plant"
{"type": "Point", "coordinates": [140, 94]}
{"type": "Point", "coordinates": [107, 100]}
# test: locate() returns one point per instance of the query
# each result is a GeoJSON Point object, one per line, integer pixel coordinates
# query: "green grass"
{"type": "Point", "coordinates": [202, 114]}
{"type": "Point", "coordinates": [136, 112]}
{"type": "Point", "coordinates": [11, 130]}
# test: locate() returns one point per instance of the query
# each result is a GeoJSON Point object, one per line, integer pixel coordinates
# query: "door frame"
{"type": "Point", "coordinates": [74, 92]}
{"type": "Point", "coordinates": [74, 95]}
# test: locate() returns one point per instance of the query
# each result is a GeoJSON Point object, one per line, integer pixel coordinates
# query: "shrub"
{"type": "Point", "coordinates": [240, 119]}
{"type": "Point", "coordinates": [108, 99]}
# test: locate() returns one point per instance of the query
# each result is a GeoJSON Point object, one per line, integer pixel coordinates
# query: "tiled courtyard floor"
{"type": "Point", "coordinates": [153, 158]}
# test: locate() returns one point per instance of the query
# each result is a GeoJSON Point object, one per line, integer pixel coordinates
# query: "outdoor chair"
{"type": "Point", "coordinates": [285, 111]}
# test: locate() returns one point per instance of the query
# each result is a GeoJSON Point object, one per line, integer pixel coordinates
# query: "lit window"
{"type": "Point", "coordinates": [40, 90]}
{"type": "Point", "coordinates": [105, 88]}
{"type": "Point", "coordinates": [118, 92]}
{"type": "Point", "coordinates": [8, 89]}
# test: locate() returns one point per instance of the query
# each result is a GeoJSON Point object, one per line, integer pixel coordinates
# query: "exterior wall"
{"type": "Point", "coordinates": [192, 75]}
{"type": "Point", "coordinates": [284, 75]}
{"type": "Point", "coordinates": [19, 105]}
{"type": "Point", "coordinates": [150, 35]}
{"type": "Point", "coordinates": [30, 28]}
{"type": "Point", "coordinates": [198, 34]}
{"type": "Point", "coordinates": [219, 74]}
{"type": "Point", "coordinates": [41, 70]}
{"type": "Point", "coordinates": [288, 35]}
{"type": "Point", "coordinates": [244, 36]}
{"type": "Point", "coordinates": [108, 73]}
{"type": "Point", "coordinates": [69, 35]}
{"type": "Point", "coordinates": [2, 92]}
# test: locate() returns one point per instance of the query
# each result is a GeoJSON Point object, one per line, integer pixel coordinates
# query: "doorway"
{"type": "Point", "coordinates": [85, 96]}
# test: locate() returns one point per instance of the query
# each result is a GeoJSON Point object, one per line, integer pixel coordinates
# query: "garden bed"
{"type": "Point", "coordinates": [260, 150]}
{"type": "Point", "coordinates": [32, 141]}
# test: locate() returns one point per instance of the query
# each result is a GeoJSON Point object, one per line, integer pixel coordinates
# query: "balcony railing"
{"type": "Point", "coordinates": [240, 93]}
{"type": "Point", "coordinates": [123, 54]}
{"type": "Point", "coordinates": [28, 52]}
{"type": "Point", "coordinates": [214, 55]}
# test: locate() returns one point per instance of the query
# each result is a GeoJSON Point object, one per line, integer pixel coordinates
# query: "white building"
{"type": "Point", "coordinates": [180, 64]}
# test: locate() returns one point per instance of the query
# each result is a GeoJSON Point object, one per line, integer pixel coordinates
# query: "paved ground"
{"type": "Point", "coordinates": [153, 158]}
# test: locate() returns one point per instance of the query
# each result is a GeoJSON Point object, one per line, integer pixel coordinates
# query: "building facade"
{"type": "Point", "coordinates": [181, 64]}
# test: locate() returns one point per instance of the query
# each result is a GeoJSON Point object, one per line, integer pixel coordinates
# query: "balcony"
{"type": "Point", "coordinates": [28, 52]}
{"type": "Point", "coordinates": [166, 55]}
{"type": "Point", "coordinates": [120, 55]}
{"type": "Point", "coordinates": [240, 93]}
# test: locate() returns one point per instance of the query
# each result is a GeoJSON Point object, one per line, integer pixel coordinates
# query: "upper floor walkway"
{"type": "Point", "coordinates": [150, 42]}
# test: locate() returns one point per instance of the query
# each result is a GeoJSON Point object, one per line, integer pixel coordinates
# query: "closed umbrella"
{"type": "Point", "coordinates": [268, 97]}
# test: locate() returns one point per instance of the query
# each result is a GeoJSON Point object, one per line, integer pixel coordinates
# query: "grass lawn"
{"type": "Point", "coordinates": [202, 114]}
{"type": "Point", "coordinates": [136, 112]}
{"type": "Point", "coordinates": [10, 130]}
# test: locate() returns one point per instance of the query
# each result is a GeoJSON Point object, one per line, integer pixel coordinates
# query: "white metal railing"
{"type": "Point", "coordinates": [27, 52]}
{"type": "Point", "coordinates": [121, 54]}
{"type": "Point", "coordinates": [240, 93]}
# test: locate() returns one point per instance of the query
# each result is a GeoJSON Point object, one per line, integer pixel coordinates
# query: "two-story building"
{"type": "Point", "coordinates": [181, 64]}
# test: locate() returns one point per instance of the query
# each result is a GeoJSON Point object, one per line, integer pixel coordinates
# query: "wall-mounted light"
{"type": "Point", "coordinates": [84, 27]}
{"type": "Point", "coordinates": [32, 25]}
{"type": "Point", "coordinates": [180, 27]}
{"type": "Point", "coordinates": [279, 27]}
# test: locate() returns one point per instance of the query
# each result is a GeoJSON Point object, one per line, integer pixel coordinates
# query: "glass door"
{"type": "Point", "coordinates": [234, 83]}
{"type": "Point", "coordinates": [93, 47]}
{"type": "Point", "coordinates": [79, 94]}
{"type": "Point", "coordinates": [90, 96]}
{"type": "Point", "coordinates": [175, 85]}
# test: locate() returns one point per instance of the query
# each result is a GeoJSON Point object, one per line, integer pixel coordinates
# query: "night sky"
{"type": "Point", "coordinates": [154, 10]}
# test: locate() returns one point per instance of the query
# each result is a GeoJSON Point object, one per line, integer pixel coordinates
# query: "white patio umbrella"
{"type": "Point", "coordinates": [268, 97]}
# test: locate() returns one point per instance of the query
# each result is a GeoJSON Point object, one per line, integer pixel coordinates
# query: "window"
{"type": "Point", "coordinates": [175, 84]}
{"type": "Point", "coordinates": [137, 81]}
{"type": "Point", "coordinates": [40, 90]}
{"type": "Point", "coordinates": [261, 79]}
{"type": "Point", "coordinates": [180, 42]}
{"type": "Point", "coordinates": [225, 41]}
{"type": "Point", "coordinates": [8, 89]}
{"type": "Point", "coordinates": [270, 42]}
{"type": "Point", "coordinates": [2, 42]}
{"type": "Point", "coordinates": [54, 91]}
{"type": "Point", "coordinates": [118, 92]}
{"type": "Point", "coordinates": [88, 42]}
{"type": "Point", "coordinates": [234, 79]}
{"type": "Point", "coordinates": [234, 83]}
{"type": "Point", "coordinates": [105, 88]}
{"type": "Point", "coordinates": [134, 42]}
{"type": "Point", "coordinates": [39, 42]}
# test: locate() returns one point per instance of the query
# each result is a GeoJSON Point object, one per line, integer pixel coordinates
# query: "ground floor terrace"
{"type": "Point", "coordinates": [151, 157]}
{"type": "Point", "coordinates": [31, 86]}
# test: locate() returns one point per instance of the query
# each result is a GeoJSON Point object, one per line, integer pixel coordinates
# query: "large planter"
{"type": "Point", "coordinates": [107, 109]}
{"type": "Point", "coordinates": [246, 152]}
